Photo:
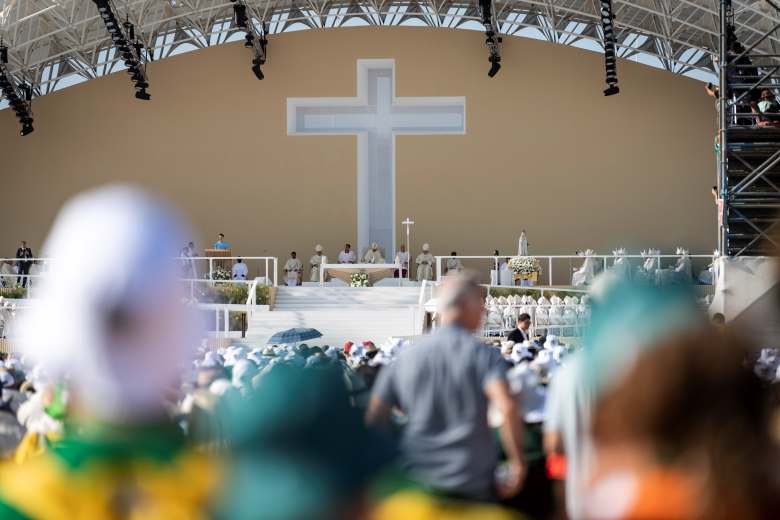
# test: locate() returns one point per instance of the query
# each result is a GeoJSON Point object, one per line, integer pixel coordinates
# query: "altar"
{"type": "Point", "coordinates": [344, 272]}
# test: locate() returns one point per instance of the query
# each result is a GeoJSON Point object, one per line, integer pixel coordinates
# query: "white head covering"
{"type": "Point", "coordinates": [426, 247]}
{"type": "Point", "coordinates": [119, 331]}
{"type": "Point", "coordinates": [318, 248]}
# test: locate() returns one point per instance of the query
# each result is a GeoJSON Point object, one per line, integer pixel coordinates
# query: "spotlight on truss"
{"type": "Point", "coordinates": [610, 56]}
{"type": "Point", "coordinates": [128, 47]}
{"type": "Point", "coordinates": [19, 96]}
{"type": "Point", "coordinates": [492, 40]}
{"type": "Point", "coordinates": [257, 42]}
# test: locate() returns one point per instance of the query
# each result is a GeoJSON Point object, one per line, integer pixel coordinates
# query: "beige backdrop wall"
{"type": "Point", "coordinates": [544, 150]}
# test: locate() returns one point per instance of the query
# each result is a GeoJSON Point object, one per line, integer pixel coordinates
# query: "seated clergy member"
{"type": "Point", "coordinates": [220, 243]}
{"type": "Point", "coordinates": [402, 259]}
{"type": "Point", "coordinates": [292, 269]}
{"type": "Point", "coordinates": [240, 270]}
{"type": "Point", "coordinates": [373, 255]}
{"type": "Point", "coordinates": [425, 264]}
{"type": "Point", "coordinates": [121, 341]}
{"type": "Point", "coordinates": [347, 256]}
{"type": "Point", "coordinates": [315, 261]}
{"type": "Point", "coordinates": [454, 265]}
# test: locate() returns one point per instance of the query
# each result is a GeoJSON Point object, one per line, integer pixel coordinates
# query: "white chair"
{"type": "Point", "coordinates": [585, 274]}
{"type": "Point", "coordinates": [621, 266]}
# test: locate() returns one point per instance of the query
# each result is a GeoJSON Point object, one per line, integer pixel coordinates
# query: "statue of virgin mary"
{"type": "Point", "coordinates": [522, 246]}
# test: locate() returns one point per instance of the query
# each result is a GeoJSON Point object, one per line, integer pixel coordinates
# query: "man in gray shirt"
{"type": "Point", "coordinates": [444, 384]}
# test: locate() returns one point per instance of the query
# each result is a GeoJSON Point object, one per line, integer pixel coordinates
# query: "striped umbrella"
{"type": "Point", "coordinates": [294, 336]}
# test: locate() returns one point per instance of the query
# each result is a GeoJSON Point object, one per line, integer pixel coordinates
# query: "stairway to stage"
{"type": "Point", "coordinates": [340, 313]}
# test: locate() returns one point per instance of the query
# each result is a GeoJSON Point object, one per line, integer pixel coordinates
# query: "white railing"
{"type": "Point", "coordinates": [251, 299]}
{"type": "Point", "coordinates": [268, 267]}
{"type": "Point", "coordinates": [547, 261]}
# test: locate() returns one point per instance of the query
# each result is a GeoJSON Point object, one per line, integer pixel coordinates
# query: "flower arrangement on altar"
{"type": "Point", "coordinates": [525, 266]}
{"type": "Point", "coordinates": [358, 280]}
{"type": "Point", "coordinates": [219, 273]}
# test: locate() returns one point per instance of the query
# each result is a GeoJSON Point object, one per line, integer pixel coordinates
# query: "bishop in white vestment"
{"type": "Point", "coordinates": [373, 255]}
{"type": "Point", "coordinates": [315, 261]}
{"type": "Point", "coordinates": [454, 265]}
{"type": "Point", "coordinates": [425, 264]}
{"type": "Point", "coordinates": [292, 269]}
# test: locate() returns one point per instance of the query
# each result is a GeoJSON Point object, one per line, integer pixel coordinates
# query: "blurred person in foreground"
{"type": "Point", "coordinates": [300, 450]}
{"type": "Point", "coordinates": [684, 433]}
{"type": "Point", "coordinates": [119, 338]}
{"type": "Point", "coordinates": [626, 319]}
{"type": "Point", "coordinates": [443, 385]}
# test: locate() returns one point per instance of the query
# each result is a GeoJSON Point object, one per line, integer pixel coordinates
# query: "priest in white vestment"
{"type": "Point", "coordinates": [347, 256]}
{"type": "Point", "coordinates": [454, 265]}
{"type": "Point", "coordinates": [425, 264]}
{"type": "Point", "coordinates": [505, 275]}
{"type": "Point", "coordinates": [373, 255]}
{"type": "Point", "coordinates": [402, 259]}
{"type": "Point", "coordinates": [240, 270]}
{"type": "Point", "coordinates": [315, 261]}
{"type": "Point", "coordinates": [292, 270]}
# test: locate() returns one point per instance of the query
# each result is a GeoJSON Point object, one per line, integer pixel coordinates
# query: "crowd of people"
{"type": "Point", "coordinates": [656, 414]}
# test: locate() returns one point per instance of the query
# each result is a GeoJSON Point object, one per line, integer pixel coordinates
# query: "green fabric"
{"type": "Point", "coordinates": [533, 442]}
{"type": "Point", "coordinates": [158, 443]}
{"type": "Point", "coordinates": [8, 512]}
{"type": "Point", "coordinates": [57, 408]}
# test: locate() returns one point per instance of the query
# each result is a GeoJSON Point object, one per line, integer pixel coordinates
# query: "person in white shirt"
{"type": "Point", "coordinates": [347, 256]}
{"type": "Point", "coordinates": [187, 262]}
{"type": "Point", "coordinates": [240, 270]}
{"type": "Point", "coordinates": [402, 259]}
{"type": "Point", "coordinates": [425, 264]}
{"type": "Point", "coordinates": [292, 270]}
{"type": "Point", "coordinates": [373, 255]}
{"type": "Point", "coordinates": [315, 261]}
{"type": "Point", "coordinates": [454, 265]}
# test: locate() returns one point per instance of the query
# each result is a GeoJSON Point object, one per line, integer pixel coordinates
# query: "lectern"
{"type": "Point", "coordinates": [220, 258]}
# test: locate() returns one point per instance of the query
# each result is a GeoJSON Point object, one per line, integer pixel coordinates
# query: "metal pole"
{"type": "Point", "coordinates": [549, 270]}
{"type": "Point", "coordinates": [725, 15]}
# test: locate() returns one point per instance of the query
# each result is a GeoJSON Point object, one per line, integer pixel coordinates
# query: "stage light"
{"type": "Point", "coordinates": [495, 66]}
{"type": "Point", "coordinates": [491, 40]}
{"type": "Point", "coordinates": [124, 37]}
{"type": "Point", "coordinates": [610, 55]}
{"type": "Point", "coordinates": [257, 42]}
{"type": "Point", "coordinates": [258, 72]}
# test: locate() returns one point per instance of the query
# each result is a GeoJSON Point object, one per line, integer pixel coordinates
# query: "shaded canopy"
{"type": "Point", "coordinates": [56, 43]}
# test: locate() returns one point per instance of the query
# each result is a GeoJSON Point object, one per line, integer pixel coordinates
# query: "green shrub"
{"type": "Point", "coordinates": [232, 293]}
{"type": "Point", "coordinates": [497, 292]}
{"type": "Point", "coordinates": [13, 292]}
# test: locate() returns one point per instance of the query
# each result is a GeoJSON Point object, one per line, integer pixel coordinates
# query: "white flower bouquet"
{"type": "Point", "coordinates": [525, 266]}
{"type": "Point", "coordinates": [219, 273]}
{"type": "Point", "coordinates": [358, 280]}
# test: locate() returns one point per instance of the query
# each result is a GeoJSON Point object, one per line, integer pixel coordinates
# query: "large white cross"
{"type": "Point", "coordinates": [376, 116]}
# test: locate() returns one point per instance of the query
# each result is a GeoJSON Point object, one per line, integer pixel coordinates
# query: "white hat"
{"type": "Point", "coordinates": [132, 237]}
{"type": "Point", "coordinates": [374, 245]}
{"type": "Point", "coordinates": [318, 248]}
{"type": "Point", "coordinates": [426, 247]}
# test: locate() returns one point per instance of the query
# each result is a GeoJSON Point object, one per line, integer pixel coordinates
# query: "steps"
{"type": "Point", "coordinates": [313, 298]}
{"type": "Point", "coordinates": [340, 313]}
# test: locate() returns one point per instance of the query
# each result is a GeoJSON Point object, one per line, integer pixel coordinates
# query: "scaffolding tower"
{"type": "Point", "coordinates": [748, 143]}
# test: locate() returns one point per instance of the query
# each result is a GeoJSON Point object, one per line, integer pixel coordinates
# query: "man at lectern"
{"type": "Point", "coordinates": [220, 243]}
